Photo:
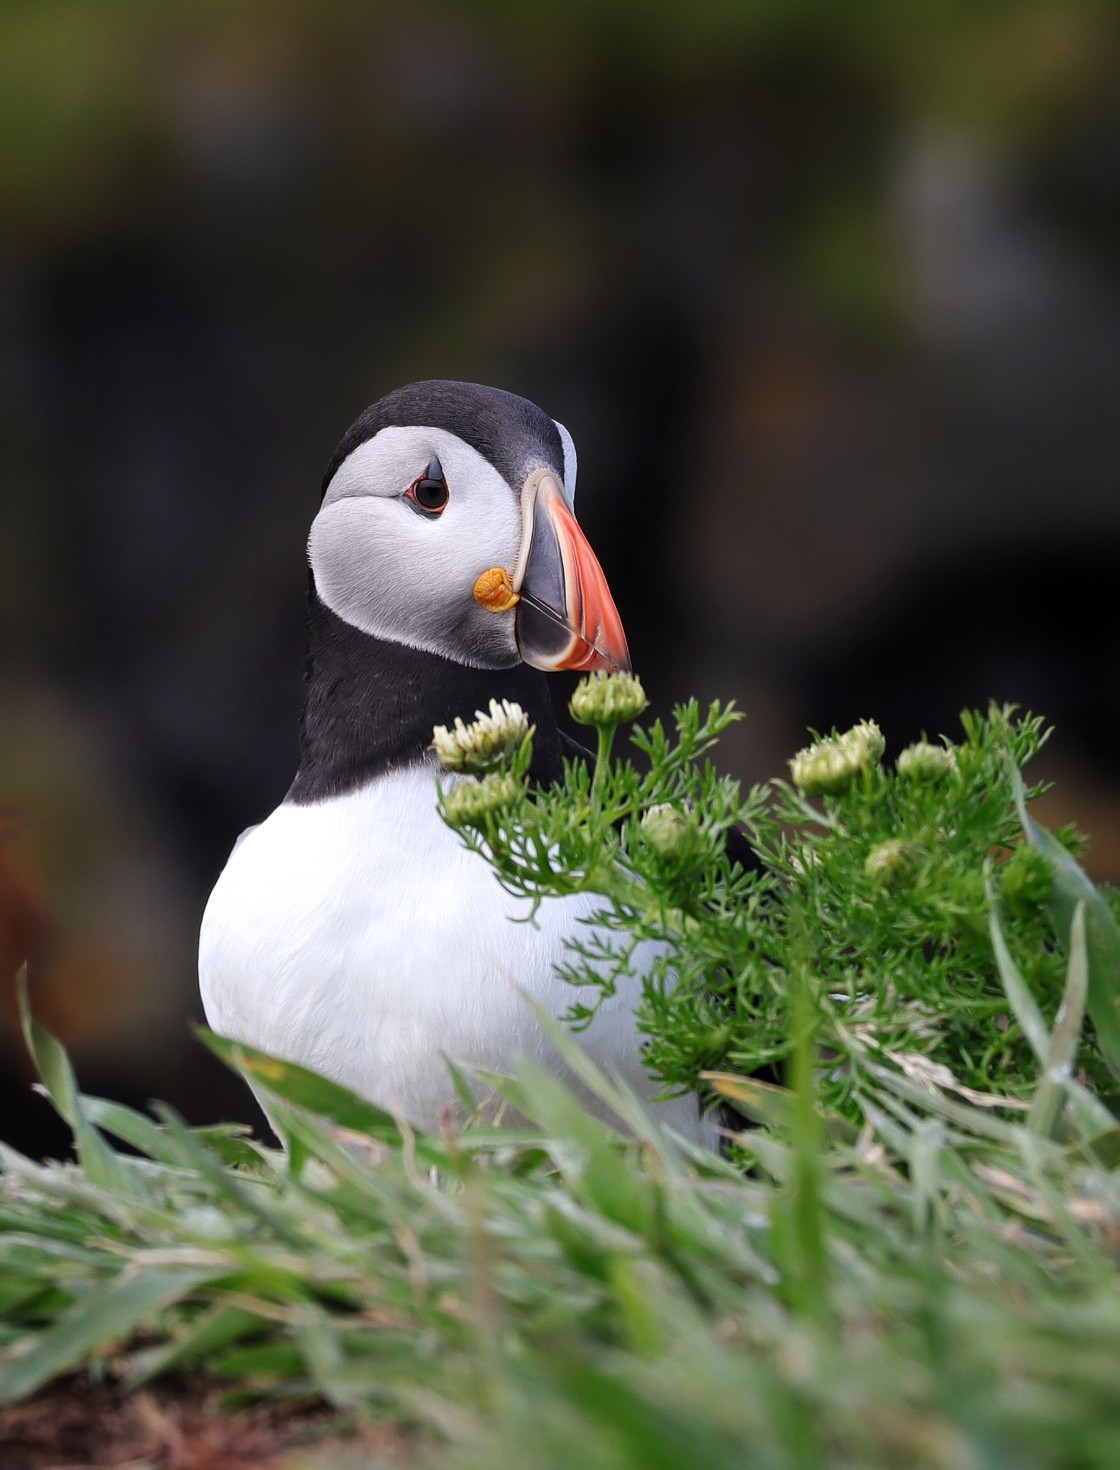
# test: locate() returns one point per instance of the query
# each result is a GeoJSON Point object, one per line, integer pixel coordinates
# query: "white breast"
{"type": "Point", "coordinates": [358, 937]}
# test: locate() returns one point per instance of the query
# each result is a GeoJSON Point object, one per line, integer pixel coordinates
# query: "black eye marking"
{"type": "Point", "coordinates": [429, 494]}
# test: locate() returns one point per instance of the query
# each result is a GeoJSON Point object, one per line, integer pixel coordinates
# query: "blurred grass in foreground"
{"type": "Point", "coordinates": [933, 1285]}
{"type": "Point", "coordinates": [938, 1289]}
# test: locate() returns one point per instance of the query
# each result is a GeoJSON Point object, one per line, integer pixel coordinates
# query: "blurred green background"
{"type": "Point", "coordinates": [827, 293]}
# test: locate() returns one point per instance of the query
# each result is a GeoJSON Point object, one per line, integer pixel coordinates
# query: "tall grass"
{"type": "Point", "coordinates": [936, 1288]}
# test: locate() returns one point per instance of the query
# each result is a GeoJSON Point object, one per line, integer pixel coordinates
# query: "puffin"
{"type": "Point", "coordinates": [352, 931]}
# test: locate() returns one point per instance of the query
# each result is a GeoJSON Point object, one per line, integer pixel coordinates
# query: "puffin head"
{"type": "Point", "coordinates": [447, 525]}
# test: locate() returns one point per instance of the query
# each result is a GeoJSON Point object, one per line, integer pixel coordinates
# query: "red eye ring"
{"type": "Point", "coordinates": [429, 493]}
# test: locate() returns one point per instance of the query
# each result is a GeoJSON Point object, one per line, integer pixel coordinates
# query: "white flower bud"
{"type": "Point", "coordinates": [924, 762]}
{"type": "Point", "coordinates": [831, 765]}
{"type": "Point", "coordinates": [487, 742]}
{"type": "Point", "coordinates": [893, 864]}
{"type": "Point", "coordinates": [608, 699]}
{"type": "Point", "coordinates": [668, 830]}
{"type": "Point", "coordinates": [469, 803]}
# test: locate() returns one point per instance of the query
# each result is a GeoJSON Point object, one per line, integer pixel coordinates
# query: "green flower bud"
{"type": "Point", "coordinates": [608, 699]}
{"type": "Point", "coordinates": [469, 803]}
{"type": "Point", "coordinates": [1025, 879]}
{"type": "Point", "coordinates": [924, 762]}
{"type": "Point", "coordinates": [668, 830]}
{"type": "Point", "coordinates": [831, 765]}
{"type": "Point", "coordinates": [488, 742]}
{"type": "Point", "coordinates": [713, 1041]}
{"type": "Point", "coordinates": [893, 864]}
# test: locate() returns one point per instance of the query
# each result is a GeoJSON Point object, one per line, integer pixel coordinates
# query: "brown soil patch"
{"type": "Point", "coordinates": [75, 1427]}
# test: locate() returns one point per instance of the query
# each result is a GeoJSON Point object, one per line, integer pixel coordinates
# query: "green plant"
{"type": "Point", "coordinates": [873, 893]}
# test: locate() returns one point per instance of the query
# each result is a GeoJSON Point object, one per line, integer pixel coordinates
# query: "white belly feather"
{"type": "Point", "coordinates": [358, 937]}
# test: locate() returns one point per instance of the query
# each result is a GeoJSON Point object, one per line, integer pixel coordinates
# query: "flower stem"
{"type": "Point", "coordinates": [602, 759]}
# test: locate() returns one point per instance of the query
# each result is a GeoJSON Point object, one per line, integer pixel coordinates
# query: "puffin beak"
{"type": "Point", "coordinates": [566, 617]}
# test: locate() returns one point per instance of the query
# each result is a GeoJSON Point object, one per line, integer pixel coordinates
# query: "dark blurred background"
{"type": "Point", "coordinates": [827, 294]}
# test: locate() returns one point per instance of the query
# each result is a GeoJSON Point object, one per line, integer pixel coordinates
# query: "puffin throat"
{"type": "Point", "coordinates": [370, 706]}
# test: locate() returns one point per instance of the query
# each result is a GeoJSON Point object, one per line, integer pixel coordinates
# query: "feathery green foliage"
{"type": "Point", "coordinates": [875, 897]}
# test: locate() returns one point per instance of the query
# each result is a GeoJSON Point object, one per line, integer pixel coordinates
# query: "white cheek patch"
{"type": "Point", "coordinates": [409, 578]}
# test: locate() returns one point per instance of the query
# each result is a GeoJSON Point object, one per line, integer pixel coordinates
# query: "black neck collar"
{"type": "Point", "coordinates": [370, 707]}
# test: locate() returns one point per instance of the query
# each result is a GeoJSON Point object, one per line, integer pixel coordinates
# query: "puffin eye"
{"type": "Point", "coordinates": [429, 494]}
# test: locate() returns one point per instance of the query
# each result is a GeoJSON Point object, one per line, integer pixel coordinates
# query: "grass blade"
{"type": "Point", "coordinates": [306, 1088]}
{"type": "Point", "coordinates": [1071, 887]}
{"type": "Point", "coordinates": [771, 1105]}
{"type": "Point", "coordinates": [101, 1318]}
{"type": "Point", "coordinates": [1087, 1110]}
{"type": "Point", "coordinates": [135, 1129]}
{"type": "Point", "coordinates": [1066, 1037]}
{"type": "Point", "coordinates": [208, 1334]}
{"type": "Point", "coordinates": [1023, 1005]}
{"type": "Point", "coordinates": [103, 1167]}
